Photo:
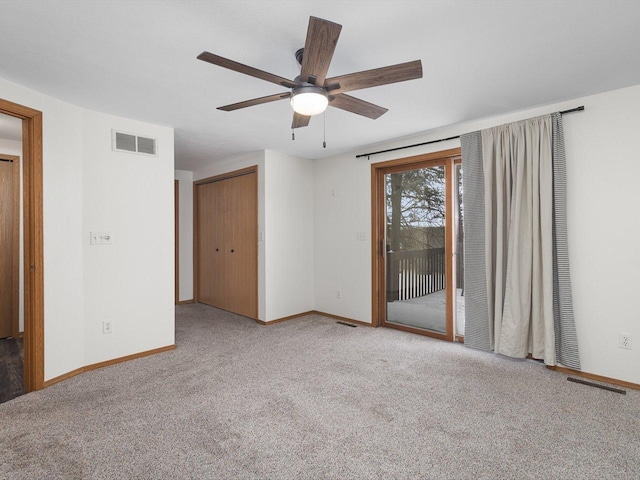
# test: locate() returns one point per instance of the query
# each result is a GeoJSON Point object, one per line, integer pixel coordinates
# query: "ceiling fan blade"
{"type": "Point", "coordinates": [355, 105]}
{"type": "Point", "coordinates": [300, 120]}
{"type": "Point", "coordinates": [322, 37]}
{"type": "Point", "coordinates": [241, 68]}
{"type": "Point", "coordinates": [255, 101]}
{"type": "Point", "coordinates": [373, 78]}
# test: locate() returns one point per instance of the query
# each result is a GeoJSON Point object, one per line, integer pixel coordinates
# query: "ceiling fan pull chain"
{"type": "Point", "coordinates": [324, 129]}
{"type": "Point", "coordinates": [293, 135]}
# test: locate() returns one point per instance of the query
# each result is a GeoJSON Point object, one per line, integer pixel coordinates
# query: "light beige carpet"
{"type": "Point", "coordinates": [310, 398]}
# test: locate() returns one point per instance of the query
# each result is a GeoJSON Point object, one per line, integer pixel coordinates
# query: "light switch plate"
{"type": "Point", "coordinates": [100, 238]}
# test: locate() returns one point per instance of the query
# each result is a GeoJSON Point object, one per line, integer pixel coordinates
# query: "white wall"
{"type": "Point", "coordinates": [75, 151]}
{"type": "Point", "coordinates": [62, 190]}
{"type": "Point", "coordinates": [185, 233]}
{"type": "Point", "coordinates": [603, 155]}
{"type": "Point", "coordinates": [237, 163]}
{"type": "Point", "coordinates": [342, 207]}
{"type": "Point", "coordinates": [288, 235]}
{"type": "Point", "coordinates": [603, 165]}
{"type": "Point", "coordinates": [131, 281]}
{"type": "Point", "coordinates": [13, 147]}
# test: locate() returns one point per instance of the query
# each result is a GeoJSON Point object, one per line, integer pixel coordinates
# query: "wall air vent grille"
{"type": "Point", "coordinates": [127, 142]}
{"type": "Point", "coordinates": [147, 145]}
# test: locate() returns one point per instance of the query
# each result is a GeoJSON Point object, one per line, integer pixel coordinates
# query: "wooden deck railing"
{"type": "Point", "coordinates": [416, 273]}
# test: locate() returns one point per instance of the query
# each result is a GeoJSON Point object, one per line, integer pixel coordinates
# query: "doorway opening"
{"type": "Point", "coordinates": [11, 351]}
{"type": "Point", "coordinates": [33, 259]}
{"type": "Point", "coordinates": [417, 223]}
{"type": "Point", "coordinates": [9, 244]}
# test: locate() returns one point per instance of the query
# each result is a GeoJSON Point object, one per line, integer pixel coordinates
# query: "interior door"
{"type": "Point", "coordinates": [8, 246]}
{"type": "Point", "coordinates": [210, 219]}
{"type": "Point", "coordinates": [241, 245]}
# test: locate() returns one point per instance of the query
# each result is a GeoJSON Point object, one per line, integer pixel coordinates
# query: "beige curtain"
{"type": "Point", "coordinates": [518, 190]}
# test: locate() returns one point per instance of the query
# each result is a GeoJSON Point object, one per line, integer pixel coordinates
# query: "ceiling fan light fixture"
{"type": "Point", "coordinates": [309, 100]}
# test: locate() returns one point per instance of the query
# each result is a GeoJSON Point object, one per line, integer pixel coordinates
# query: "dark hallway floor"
{"type": "Point", "coordinates": [11, 358]}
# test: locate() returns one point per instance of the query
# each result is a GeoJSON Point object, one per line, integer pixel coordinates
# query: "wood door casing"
{"type": "Point", "coordinates": [176, 240]}
{"type": "Point", "coordinates": [226, 243]}
{"type": "Point", "coordinates": [33, 257]}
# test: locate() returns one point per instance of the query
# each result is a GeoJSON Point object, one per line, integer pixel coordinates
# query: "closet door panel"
{"type": "Point", "coordinates": [243, 251]}
{"type": "Point", "coordinates": [211, 205]}
{"type": "Point", "coordinates": [227, 244]}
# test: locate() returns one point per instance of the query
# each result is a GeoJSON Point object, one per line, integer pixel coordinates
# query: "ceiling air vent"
{"type": "Point", "coordinates": [127, 142]}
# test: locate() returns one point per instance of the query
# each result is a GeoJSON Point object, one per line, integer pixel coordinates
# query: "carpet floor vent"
{"type": "Point", "coordinates": [591, 384]}
{"type": "Point", "coordinates": [347, 324]}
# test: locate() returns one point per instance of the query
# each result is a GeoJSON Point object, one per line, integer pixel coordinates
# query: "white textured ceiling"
{"type": "Point", "coordinates": [480, 58]}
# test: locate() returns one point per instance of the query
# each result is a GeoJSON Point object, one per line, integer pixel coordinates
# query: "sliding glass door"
{"type": "Point", "coordinates": [415, 248]}
{"type": "Point", "coordinates": [418, 214]}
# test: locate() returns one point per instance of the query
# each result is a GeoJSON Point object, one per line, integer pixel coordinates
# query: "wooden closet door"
{"type": "Point", "coordinates": [242, 254]}
{"type": "Point", "coordinates": [227, 244]}
{"type": "Point", "coordinates": [212, 207]}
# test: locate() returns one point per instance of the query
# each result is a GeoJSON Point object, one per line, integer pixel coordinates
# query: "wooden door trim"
{"type": "Point", "coordinates": [196, 244]}
{"type": "Point", "coordinates": [224, 176]}
{"type": "Point", "coordinates": [176, 236]}
{"type": "Point", "coordinates": [15, 243]}
{"type": "Point", "coordinates": [378, 280]}
{"type": "Point", "coordinates": [33, 242]}
{"type": "Point", "coordinates": [449, 179]}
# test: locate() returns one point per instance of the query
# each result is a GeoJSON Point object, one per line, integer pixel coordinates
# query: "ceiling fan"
{"type": "Point", "coordinates": [311, 91]}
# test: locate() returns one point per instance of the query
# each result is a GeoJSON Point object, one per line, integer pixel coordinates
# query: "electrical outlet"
{"type": "Point", "coordinates": [625, 341]}
{"type": "Point", "coordinates": [338, 293]}
{"type": "Point", "coordinates": [107, 326]}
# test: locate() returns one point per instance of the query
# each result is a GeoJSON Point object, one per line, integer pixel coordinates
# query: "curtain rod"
{"type": "Point", "coordinates": [577, 109]}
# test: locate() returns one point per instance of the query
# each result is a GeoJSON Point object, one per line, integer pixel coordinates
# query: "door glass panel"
{"type": "Point", "coordinates": [415, 248]}
{"type": "Point", "coordinates": [459, 258]}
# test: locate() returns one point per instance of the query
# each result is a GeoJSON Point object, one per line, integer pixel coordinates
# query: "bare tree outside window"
{"type": "Point", "coordinates": [416, 209]}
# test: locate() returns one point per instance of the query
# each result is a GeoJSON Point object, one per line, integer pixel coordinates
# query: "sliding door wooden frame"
{"type": "Point", "coordinates": [33, 242]}
{"type": "Point", "coordinates": [196, 246]}
{"type": "Point", "coordinates": [445, 158]}
{"type": "Point", "coordinates": [456, 255]}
